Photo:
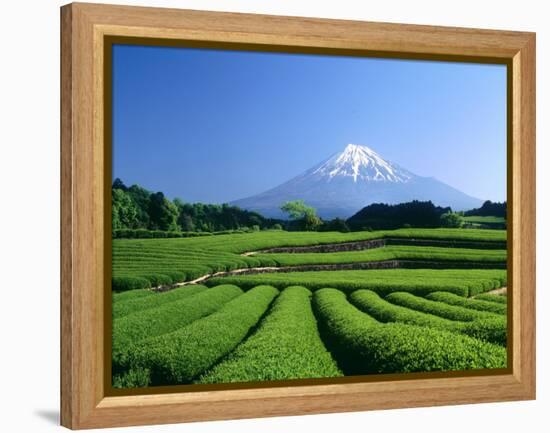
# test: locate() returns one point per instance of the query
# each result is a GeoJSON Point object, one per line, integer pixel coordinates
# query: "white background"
{"type": "Point", "coordinates": [29, 215]}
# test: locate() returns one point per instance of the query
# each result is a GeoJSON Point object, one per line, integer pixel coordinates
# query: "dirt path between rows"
{"type": "Point", "coordinates": [355, 246]}
{"type": "Point", "coordinates": [501, 291]}
{"type": "Point", "coordinates": [382, 264]}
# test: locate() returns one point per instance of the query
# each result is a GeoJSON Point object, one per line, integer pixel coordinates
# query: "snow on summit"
{"type": "Point", "coordinates": [363, 163]}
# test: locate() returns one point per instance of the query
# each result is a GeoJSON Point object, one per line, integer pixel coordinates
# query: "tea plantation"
{"type": "Point", "coordinates": [277, 305]}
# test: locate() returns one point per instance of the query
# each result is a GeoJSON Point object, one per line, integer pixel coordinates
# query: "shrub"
{"type": "Point", "coordinates": [418, 281]}
{"type": "Point", "coordinates": [133, 328]}
{"type": "Point", "coordinates": [286, 346]}
{"type": "Point", "coordinates": [474, 304]}
{"type": "Point", "coordinates": [157, 280]}
{"type": "Point", "coordinates": [393, 252]}
{"type": "Point", "coordinates": [200, 253]}
{"type": "Point", "coordinates": [121, 309]}
{"type": "Point", "coordinates": [384, 311]}
{"type": "Point", "coordinates": [131, 379]}
{"type": "Point", "coordinates": [498, 299]}
{"type": "Point", "coordinates": [177, 277]}
{"type": "Point", "coordinates": [121, 284]}
{"type": "Point", "coordinates": [441, 309]}
{"type": "Point", "coordinates": [489, 329]}
{"type": "Point", "coordinates": [362, 345]}
{"type": "Point", "coordinates": [451, 220]}
{"type": "Point", "coordinates": [120, 297]}
{"type": "Point", "coordinates": [180, 356]}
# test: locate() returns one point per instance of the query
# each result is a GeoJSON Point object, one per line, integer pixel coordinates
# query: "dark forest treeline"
{"type": "Point", "coordinates": [411, 214]}
{"type": "Point", "coordinates": [139, 213]}
{"type": "Point", "coordinates": [135, 209]}
{"type": "Point", "coordinates": [419, 214]}
{"type": "Point", "coordinates": [489, 208]}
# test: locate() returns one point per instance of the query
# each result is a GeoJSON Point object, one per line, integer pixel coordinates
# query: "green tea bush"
{"type": "Point", "coordinates": [122, 284]}
{"type": "Point", "coordinates": [362, 345]}
{"type": "Point", "coordinates": [474, 304]}
{"type": "Point", "coordinates": [181, 356]}
{"type": "Point", "coordinates": [131, 379]}
{"type": "Point", "coordinates": [133, 328]}
{"type": "Point", "coordinates": [441, 309]}
{"type": "Point", "coordinates": [121, 309]}
{"type": "Point", "coordinates": [286, 345]}
{"type": "Point", "coordinates": [498, 299]}
{"type": "Point", "coordinates": [397, 252]}
{"type": "Point", "coordinates": [157, 280]}
{"type": "Point", "coordinates": [491, 329]}
{"type": "Point", "coordinates": [418, 281]}
{"type": "Point", "coordinates": [384, 311]}
{"type": "Point", "coordinates": [131, 295]}
{"type": "Point", "coordinates": [177, 277]}
{"type": "Point", "coordinates": [198, 254]}
{"type": "Point", "coordinates": [157, 234]}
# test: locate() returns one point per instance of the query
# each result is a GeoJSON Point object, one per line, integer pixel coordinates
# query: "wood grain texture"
{"type": "Point", "coordinates": [84, 403]}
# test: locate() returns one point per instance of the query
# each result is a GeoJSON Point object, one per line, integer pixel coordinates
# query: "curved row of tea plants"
{"type": "Point", "coordinates": [463, 282]}
{"type": "Point", "coordinates": [490, 297]}
{"type": "Point", "coordinates": [133, 328]}
{"type": "Point", "coordinates": [204, 337]}
{"type": "Point", "coordinates": [393, 252]}
{"type": "Point", "coordinates": [474, 304]}
{"type": "Point", "coordinates": [131, 306]}
{"type": "Point", "coordinates": [131, 295]}
{"type": "Point", "coordinates": [488, 329]}
{"type": "Point", "coordinates": [144, 263]}
{"type": "Point", "coordinates": [441, 309]}
{"type": "Point", "coordinates": [285, 346]}
{"type": "Point", "coordinates": [362, 345]}
{"type": "Point", "coordinates": [182, 355]}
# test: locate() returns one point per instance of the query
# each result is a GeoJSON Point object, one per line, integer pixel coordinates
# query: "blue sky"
{"type": "Point", "coordinates": [215, 126]}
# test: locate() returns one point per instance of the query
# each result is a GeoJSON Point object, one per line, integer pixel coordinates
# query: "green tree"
{"type": "Point", "coordinates": [335, 225]}
{"type": "Point", "coordinates": [302, 213]}
{"type": "Point", "coordinates": [163, 213]}
{"type": "Point", "coordinates": [452, 220]}
{"type": "Point", "coordinates": [297, 209]}
{"type": "Point", "coordinates": [311, 222]}
{"type": "Point", "coordinates": [186, 223]}
{"type": "Point", "coordinates": [141, 198]}
{"type": "Point", "coordinates": [124, 210]}
{"type": "Point", "coordinates": [118, 184]}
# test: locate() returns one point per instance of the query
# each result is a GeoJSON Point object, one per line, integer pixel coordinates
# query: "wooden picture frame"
{"type": "Point", "coordinates": [85, 402]}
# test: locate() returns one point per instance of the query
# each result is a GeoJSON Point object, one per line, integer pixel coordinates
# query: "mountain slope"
{"type": "Point", "coordinates": [350, 180]}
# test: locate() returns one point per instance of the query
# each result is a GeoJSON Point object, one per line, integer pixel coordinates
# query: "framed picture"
{"type": "Point", "coordinates": [267, 216]}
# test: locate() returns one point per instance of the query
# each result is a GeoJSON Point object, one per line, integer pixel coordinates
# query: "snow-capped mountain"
{"type": "Point", "coordinates": [362, 163]}
{"type": "Point", "coordinates": [352, 179]}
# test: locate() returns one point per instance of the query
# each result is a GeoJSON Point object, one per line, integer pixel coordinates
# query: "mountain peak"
{"type": "Point", "coordinates": [362, 163]}
{"type": "Point", "coordinates": [358, 148]}
{"type": "Point", "coordinates": [352, 179]}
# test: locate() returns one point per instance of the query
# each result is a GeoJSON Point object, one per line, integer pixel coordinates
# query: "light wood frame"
{"type": "Point", "coordinates": [84, 403]}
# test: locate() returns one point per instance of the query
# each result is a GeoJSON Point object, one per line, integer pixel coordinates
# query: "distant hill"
{"type": "Point", "coordinates": [489, 208]}
{"type": "Point", "coordinates": [350, 180]}
{"type": "Point", "coordinates": [383, 216]}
